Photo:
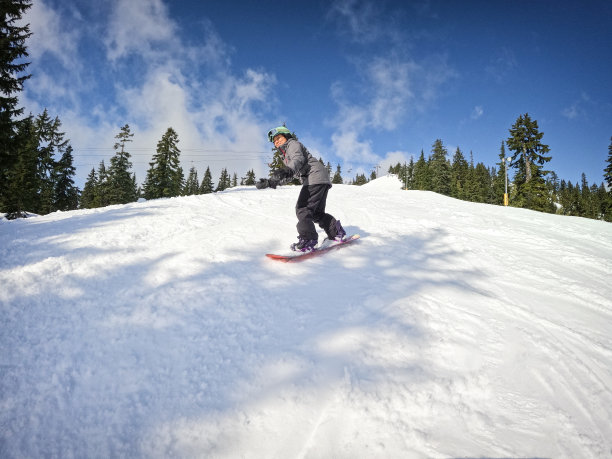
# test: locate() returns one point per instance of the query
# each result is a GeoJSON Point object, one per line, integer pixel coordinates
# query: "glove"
{"type": "Point", "coordinates": [283, 173]}
{"type": "Point", "coordinates": [266, 183]}
{"type": "Point", "coordinates": [263, 183]}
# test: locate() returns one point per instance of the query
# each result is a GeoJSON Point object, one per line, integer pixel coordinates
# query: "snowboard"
{"type": "Point", "coordinates": [301, 256]}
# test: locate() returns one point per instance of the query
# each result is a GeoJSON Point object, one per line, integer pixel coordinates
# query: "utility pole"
{"type": "Point", "coordinates": [506, 161]}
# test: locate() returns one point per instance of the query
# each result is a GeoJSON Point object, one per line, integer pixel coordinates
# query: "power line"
{"type": "Point", "coordinates": [197, 150]}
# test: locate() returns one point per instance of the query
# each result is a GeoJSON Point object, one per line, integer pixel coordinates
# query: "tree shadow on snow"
{"type": "Point", "coordinates": [148, 358]}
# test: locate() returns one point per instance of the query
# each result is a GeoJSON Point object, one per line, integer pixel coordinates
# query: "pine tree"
{"type": "Point", "coordinates": [360, 180]}
{"type": "Point", "coordinates": [179, 181]}
{"type": "Point", "coordinates": [493, 196]}
{"type": "Point", "coordinates": [88, 196]}
{"type": "Point", "coordinates": [409, 174]}
{"type": "Point", "coordinates": [51, 143]}
{"type": "Point", "coordinates": [481, 184]}
{"type": "Point", "coordinates": [337, 176]}
{"type": "Point", "coordinates": [588, 197]}
{"type": "Point", "coordinates": [234, 180]}
{"type": "Point", "coordinates": [529, 157]}
{"type": "Point", "coordinates": [563, 198]}
{"type": "Point", "coordinates": [12, 66]}
{"type": "Point", "coordinates": [207, 184]}
{"type": "Point", "coordinates": [66, 195]}
{"type": "Point", "coordinates": [45, 131]}
{"type": "Point", "coordinates": [224, 181]}
{"type": "Point", "coordinates": [499, 178]}
{"type": "Point", "coordinates": [578, 202]}
{"type": "Point", "coordinates": [605, 203]}
{"type": "Point", "coordinates": [471, 187]}
{"type": "Point", "coordinates": [21, 193]}
{"type": "Point", "coordinates": [102, 188]}
{"type": "Point", "coordinates": [422, 180]}
{"type": "Point", "coordinates": [192, 185]}
{"type": "Point", "coordinates": [608, 169]}
{"type": "Point", "coordinates": [165, 176]}
{"type": "Point", "coordinates": [459, 175]}
{"type": "Point", "coordinates": [568, 202]}
{"type": "Point", "coordinates": [250, 178]}
{"type": "Point", "coordinates": [121, 186]}
{"type": "Point", "coordinates": [595, 202]}
{"type": "Point", "coordinates": [404, 173]}
{"type": "Point", "coordinates": [552, 185]}
{"type": "Point", "coordinates": [137, 190]}
{"type": "Point", "coordinates": [439, 169]}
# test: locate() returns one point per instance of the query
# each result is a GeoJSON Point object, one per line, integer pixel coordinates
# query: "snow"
{"type": "Point", "coordinates": [160, 329]}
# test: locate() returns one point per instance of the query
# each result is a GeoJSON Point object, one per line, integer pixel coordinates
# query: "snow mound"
{"type": "Point", "coordinates": [160, 329]}
{"type": "Point", "coordinates": [385, 183]}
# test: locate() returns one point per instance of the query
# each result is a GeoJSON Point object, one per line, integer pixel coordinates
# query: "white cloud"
{"type": "Point", "coordinates": [392, 90]}
{"type": "Point", "coordinates": [390, 87]}
{"type": "Point", "coordinates": [578, 108]}
{"type": "Point", "coordinates": [386, 94]}
{"type": "Point", "coordinates": [216, 124]}
{"type": "Point", "coordinates": [217, 117]}
{"type": "Point", "coordinates": [391, 82]}
{"type": "Point", "coordinates": [477, 112]}
{"type": "Point", "coordinates": [571, 112]}
{"type": "Point", "coordinates": [392, 158]}
{"type": "Point", "coordinates": [139, 26]}
{"type": "Point", "coordinates": [50, 36]}
{"type": "Point", "coordinates": [362, 21]}
{"type": "Point", "coordinates": [351, 149]}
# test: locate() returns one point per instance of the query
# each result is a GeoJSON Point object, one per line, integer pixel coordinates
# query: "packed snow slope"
{"type": "Point", "coordinates": [160, 329]}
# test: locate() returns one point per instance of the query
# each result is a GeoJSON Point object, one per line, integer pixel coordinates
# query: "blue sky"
{"type": "Point", "coordinates": [362, 83]}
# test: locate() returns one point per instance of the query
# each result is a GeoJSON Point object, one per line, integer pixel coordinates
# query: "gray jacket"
{"type": "Point", "coordinates": [309, 170]}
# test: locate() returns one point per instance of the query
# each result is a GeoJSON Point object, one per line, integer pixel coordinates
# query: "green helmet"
{"type": "Point", "coordinates": [278, 130]}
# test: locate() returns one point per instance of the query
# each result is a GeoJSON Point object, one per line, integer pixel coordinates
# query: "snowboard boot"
{"type": "Point", "coordinates": [340, 233]}
{"type": "Point", "coordinates": [304, 245]}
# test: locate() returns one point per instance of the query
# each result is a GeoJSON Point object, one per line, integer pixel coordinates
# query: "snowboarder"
{"type": "Point", "coordinates": [310, 207]}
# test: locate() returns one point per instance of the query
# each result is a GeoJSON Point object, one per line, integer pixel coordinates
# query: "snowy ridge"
{"type": "Point", "coordinates": [159, 329]}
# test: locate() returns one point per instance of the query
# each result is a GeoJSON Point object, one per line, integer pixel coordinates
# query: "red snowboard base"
{"type": "Point", "coordinates": [301, 256]}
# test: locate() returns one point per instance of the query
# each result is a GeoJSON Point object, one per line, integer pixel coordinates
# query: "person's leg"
{"type": "Point", "coordinates": [310, 209]}
{"type": "Point", "coordinates": [304, 210]}
{"type": "Point", "coordinates": [326, 221]}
